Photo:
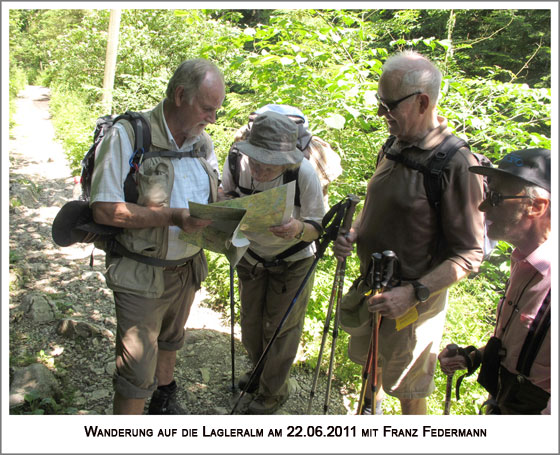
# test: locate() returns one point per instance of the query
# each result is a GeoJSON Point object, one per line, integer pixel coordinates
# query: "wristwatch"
{"type": "Point", "coordinates": [421, 292]}
{"type": "Point", "coordinates": [300, 235]}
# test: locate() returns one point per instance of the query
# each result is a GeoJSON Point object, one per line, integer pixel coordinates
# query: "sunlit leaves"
{"type": "Point", "coordinates": [369, 98]}
{"type": "Point", "coordinates": [335, 121]}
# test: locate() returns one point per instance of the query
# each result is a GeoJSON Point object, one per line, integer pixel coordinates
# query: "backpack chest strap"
{"type": "Point", "coordinates": [196, 153]}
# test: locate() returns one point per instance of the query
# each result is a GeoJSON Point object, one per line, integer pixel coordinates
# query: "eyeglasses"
{"type": "Point", "coordinates": [496, 198]}
{"type": "Point", "coordinates": [392, 105]}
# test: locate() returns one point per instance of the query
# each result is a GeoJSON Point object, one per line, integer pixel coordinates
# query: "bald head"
{"type": "Point", "coordinates": [409, 71]}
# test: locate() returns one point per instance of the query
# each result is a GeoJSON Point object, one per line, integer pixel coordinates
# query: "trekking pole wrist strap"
{"type": "Point", "coordinates": [473, 363]}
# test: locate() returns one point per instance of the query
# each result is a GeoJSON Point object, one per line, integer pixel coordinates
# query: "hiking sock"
{"type": "Point", "coordinates": [378, 409]}
{"type": "Point", "coordinates": [164, 400]}
{"type": "Point", "coordinates": [169, 388]}
{"type": "Point", "coordinates": [366, 408]}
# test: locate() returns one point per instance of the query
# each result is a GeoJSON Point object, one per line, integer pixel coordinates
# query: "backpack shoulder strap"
{"type": "Point", "coordinates": [433, 170]}
{"type": "Point", "coordinates": [386, 146]}
{"type": "Point", "coordinates": [233, 164]}
{"type": "Point", "coordinates": [142, 142]}
{"type": "Point", "coordinates": [289, 176]}
{"type": "Point", "coordinates": [142, 135]}
{"type": "Point", "coordinates": [234, 158]}
{"type": "Point", "coordinates": [535, 337]}
{"type": "Point", "coordinates": [441, 156]}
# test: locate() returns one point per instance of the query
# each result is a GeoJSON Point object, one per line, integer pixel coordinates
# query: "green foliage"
{"type": "Point", "coordinates": [217, 283]}
{"type": "Point", "coordinates": [36, 404]}
{"type": "Point", "coordinates": [495, 94]}
{"type": "Point", "coordinates": [496, 117]}
{"type": "Point", "coordinates": [74, 122]}
{"type": "Point", "coordinates": [18, 81]}
{"type": "Point", "coordinates": [484, 42]}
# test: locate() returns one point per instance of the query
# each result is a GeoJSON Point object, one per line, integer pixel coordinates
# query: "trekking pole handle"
{"type": "Point", "coordinates": [452, 350]}
{"type": "Point", "coordinates": [389, 258]}
{"type": "Point", "coordinates": [377, 259]}
{"type": "Point", "coordinates": [349, 215]}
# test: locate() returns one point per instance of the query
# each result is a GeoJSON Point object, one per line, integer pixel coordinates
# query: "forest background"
{"type": "Point", "coordinates": [496, 94]}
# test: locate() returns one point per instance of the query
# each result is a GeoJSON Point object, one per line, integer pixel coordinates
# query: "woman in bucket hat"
{"type": "Point", "coordinates": [274, 266]}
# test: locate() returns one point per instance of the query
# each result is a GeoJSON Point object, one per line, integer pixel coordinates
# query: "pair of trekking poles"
{"type": "Point", "coordinates": [378, 280]}
{"type": "Point", "coordinates": [337, 220]}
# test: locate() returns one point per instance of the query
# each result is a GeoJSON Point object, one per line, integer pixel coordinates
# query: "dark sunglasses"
{"type": "Point", "coordinates": [391, 105]}
{"type": "Point", "coordinates": [496, 198]}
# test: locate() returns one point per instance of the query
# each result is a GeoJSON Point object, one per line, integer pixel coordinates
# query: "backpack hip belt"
{"type": "Point", "coordinates": [279, 259]}
{"type": "Point", "coordinates": [114, 248]}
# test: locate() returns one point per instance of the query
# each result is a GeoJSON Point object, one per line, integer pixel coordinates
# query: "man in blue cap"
{"type": "Point", "coordinates": [516, 359]}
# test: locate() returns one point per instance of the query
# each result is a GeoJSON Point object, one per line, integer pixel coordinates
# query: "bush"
{"type": "Point", "coordinates": [74, 122]}
{"type": "Point", "coordinates": [18, 81]}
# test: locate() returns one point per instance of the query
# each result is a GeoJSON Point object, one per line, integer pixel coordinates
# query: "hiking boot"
{"type": "Point", "coordinates": [266, 405]}
{"type": "Point", "coordinates": [164, 401]}
{"type": "Point", "coordinates": [263, 404]}
{"type": "Point", "coordinates": [244, 380]}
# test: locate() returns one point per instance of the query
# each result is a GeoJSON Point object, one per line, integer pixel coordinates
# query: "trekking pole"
{"type": "Point", "coordinates": [330, 234]}
{"type": "Point", "coordinates": [452, 350]}
{"type": "Point", "coordinates": [232, 310]}
{"type": "Point", "coordinates": [336, 294]}
{"type": "Point", "coordinates": [387, 267]}
{"type": "Point", "coordinates": [375, 282]}
{"type": "Point", "coordinates": [333, 348]}
{"type": "Point", "coordinates": [383, 271]}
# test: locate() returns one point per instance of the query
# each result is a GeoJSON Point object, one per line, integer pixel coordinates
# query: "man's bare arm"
{"type": "Point", "coordinates": [134, 216]}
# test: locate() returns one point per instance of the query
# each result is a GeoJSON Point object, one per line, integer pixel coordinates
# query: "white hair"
{"type": "Point", "coordinates": [416, 72]}
{"type": "Point", "coordinates": [534, 191]}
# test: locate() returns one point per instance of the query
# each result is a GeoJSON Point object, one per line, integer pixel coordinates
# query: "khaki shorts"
{"type": "Point", "coordinates": [146, 325]}
{"type": "Point", "coordinates": [407, 358]}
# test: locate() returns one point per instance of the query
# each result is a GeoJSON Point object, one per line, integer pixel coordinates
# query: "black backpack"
{"type": "Point", "coordinates": [433, 173]}
{"type": "Point", "coordinates": [234, 157]}
{"type": "Point", "coordinates": [74, 222]}
{"type": "Point", "coordinates": [142, 143]}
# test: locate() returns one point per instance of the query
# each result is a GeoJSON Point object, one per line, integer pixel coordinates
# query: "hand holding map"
{"type": "Point", "coordinates": [233, 218]}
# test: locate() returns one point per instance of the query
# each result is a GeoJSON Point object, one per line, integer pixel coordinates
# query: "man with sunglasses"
{"type": "Point", "coordinates": [434, 250]}
{"type": "Point", "coordinates": [518, 210]}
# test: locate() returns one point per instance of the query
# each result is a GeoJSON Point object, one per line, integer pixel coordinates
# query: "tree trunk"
{"type": "Point", "coordinates": [111, 59]}
{"type": "Point", "coordinates": [450, 28]}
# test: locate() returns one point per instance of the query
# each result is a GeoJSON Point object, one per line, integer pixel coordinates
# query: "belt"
{"type": "Point", "coordinates": [173, 268]}
{"type": "Point", "coordinates": [116, 249]}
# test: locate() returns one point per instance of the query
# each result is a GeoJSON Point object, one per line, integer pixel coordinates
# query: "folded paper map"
{"type": "Point", "coordinates": [234, 218]}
